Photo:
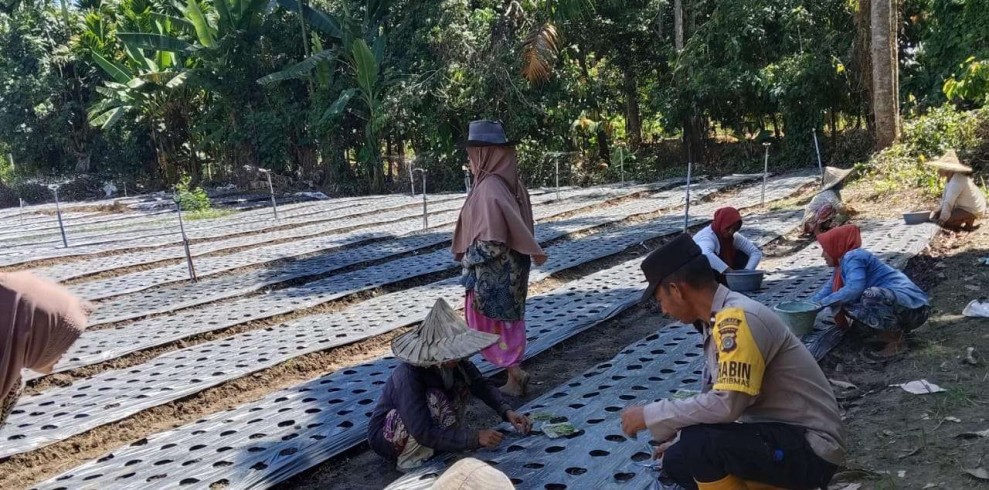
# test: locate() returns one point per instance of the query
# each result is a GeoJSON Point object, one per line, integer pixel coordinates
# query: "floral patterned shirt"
{"type": "Point", "coordinates": [499, 277]}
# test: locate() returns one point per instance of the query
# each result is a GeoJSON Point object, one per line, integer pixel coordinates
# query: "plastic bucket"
{"type": "Point", "coordinates": [917, 217]}
{"type": "Point", "coordinates": [799, 316]}
{"type": "Point", "coordinates": [743, 281]}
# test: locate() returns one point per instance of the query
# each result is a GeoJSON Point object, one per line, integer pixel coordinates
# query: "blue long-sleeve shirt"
{"type": "Point", "coordinates": [860, 270]}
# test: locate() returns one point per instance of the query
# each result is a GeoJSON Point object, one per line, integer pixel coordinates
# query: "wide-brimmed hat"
{"type": "Point", "coordinates": [949, 161]}
{"type": "Point", "coordinates": [487, 133]}
{"type": "Point", "coordinates": [666, 260]}
{"type": "Point", "coordinates": [472, 474]}
{"type": "Point", "coordinates": [834, 176]}
{"type": "Point", "coordinates": [443, 336]}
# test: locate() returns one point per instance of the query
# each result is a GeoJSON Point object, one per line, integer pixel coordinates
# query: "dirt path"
{"type": "Point", "coordinates": [900, 440]}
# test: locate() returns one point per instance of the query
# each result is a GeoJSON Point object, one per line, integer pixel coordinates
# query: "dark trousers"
{"type": "Point", "coordinates": [771, 453]}
{"type": "Point", "coordinates": [741, 260]}
{"type": "Point", "coordinates": [959, 219]}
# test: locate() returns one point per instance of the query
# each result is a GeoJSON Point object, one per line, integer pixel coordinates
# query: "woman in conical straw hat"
{"type": "Point", "coordinates": [963, 202]}
{"type": "Point", "coordinates": [826, 210]}
{"type": "Point", "coordinates": [421, 410]}
{"type": "Point", "coordinates": [495, 243]}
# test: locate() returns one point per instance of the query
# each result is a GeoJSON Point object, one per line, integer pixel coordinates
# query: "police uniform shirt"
{"type": "Point", "coordinates": [756, 371]}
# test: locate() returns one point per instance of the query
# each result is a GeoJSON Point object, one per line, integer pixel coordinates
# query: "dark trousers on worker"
{"type": "Point", "coordinates": [771, 453]}
{"type": "Point", "coordinates": [741, 260]}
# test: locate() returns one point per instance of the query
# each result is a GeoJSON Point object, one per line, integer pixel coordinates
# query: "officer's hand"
{"type": "Point", "coordinates": [633, 420]}
{"type": "Point", "coordinates": [660, 450]}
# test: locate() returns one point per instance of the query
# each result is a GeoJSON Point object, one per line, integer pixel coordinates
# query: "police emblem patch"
{"type": "Point", "coordinates": [728, 342]}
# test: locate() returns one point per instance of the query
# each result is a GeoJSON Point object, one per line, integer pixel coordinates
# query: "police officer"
{"type": "Point", "coordinates": [767, 416]}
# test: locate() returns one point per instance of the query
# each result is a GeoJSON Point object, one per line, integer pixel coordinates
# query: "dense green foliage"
{"type": "Point", "coordinates": [350, 95]}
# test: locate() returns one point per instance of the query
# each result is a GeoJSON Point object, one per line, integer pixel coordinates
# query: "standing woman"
{"type": "Point", "coordinates": [39, 321]}
{"type": "Point", "coordinates": [495, 243]}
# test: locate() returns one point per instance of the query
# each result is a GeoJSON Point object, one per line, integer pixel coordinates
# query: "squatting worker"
{"type": "Point", "coordinates": [422, 410]}
{"type": "Point", "coordinates": [39, 321]}
{"type": "Point", "coordinates": [766, 414]}
{"type": "Point", "coordinates": [725, 248]}
{"type": "Point", "coordinates": [963, 203]}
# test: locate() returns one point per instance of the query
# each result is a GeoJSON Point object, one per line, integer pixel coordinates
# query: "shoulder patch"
{"type": "Point", "coordinates": [740, 363]}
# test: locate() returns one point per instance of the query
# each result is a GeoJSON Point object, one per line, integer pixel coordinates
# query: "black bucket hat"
{"type": "Point", "coordinates": [666, 260]}
{"type": "Point", "coordinates": [487, 133]}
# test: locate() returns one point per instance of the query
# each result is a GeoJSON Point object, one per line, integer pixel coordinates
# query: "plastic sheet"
{"type": "Point", "coordinates": [659, 366]}
{"type": "Point", "coordinates": [141, 226]}
{"type": "Point", "coordinates": [342, 233]}
{"type": "Point", "coordinates": [100, 345]}
{"type": "Point", "coordinates": [182, 294]}
{"type": "Point", "coordinates": [323, 417]}
{"type": "Point", "coordinates": [36, 420]}
{"type": "Point", "coordinates": [406, 210]}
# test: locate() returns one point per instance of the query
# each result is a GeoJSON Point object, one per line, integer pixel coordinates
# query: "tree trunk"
{"type": "Point", "coordinates": [389, 158]}
{"type": "Point", "coordinates": [633, 121]}
{"type": "Point", "coordinates": [883, 48]}
{"type": "Point", "coordinates": [678, 24]}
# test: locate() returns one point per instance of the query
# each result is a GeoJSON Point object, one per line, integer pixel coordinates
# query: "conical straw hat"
{"type": "Point", "coordinates": [443, 336]}
{"type": "Point", "coordinates": [473, 474]}
{"type": "Point", "coordinates": [833, 176]}
{"type": "Point", "coordinates": [949, 161]}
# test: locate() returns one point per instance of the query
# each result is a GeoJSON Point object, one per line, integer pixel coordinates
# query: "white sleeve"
{"type": "Point", "coordinates": [708, 245]}
{"type": "Point", "coordinates": [746, 246]}
{"type": "Point", "coordinates": [951, 192]}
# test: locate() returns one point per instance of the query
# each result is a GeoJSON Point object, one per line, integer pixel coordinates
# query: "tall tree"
{"type": "Point", "coordinates": [885, 86]}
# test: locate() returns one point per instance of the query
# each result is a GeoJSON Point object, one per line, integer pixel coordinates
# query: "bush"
{"type": "Point", "coordinates": [901, 166]}
{"type": "Point", "coordinates": [941, 129]}
{"type": "Point", "coordinates": [82, 188]}
{"type": "Point", "coordinates": [7, 196]}
{"type": "Point", "coordinates": [33, 193]}
{"type": "Point", "coordinates": [192, 198]}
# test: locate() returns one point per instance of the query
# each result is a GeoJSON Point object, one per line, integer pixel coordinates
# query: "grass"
{"type": "Point", "coordinates": [208, 214]}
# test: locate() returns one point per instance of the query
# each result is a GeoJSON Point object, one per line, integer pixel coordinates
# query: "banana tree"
{"type": "Point", "coordinates": [150, 90]}
{"type": "Point", "coordinates": [357, 51]}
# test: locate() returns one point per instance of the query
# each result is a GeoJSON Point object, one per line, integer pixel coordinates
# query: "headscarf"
{"type": "Point", "coordinates": [724, 219]}
{"type": "Point", "coordinates": [498, 207]}
{"type": "Point", "coordinates": [39, 321]}
{"type": "Point", "coordinates": [836, 243]}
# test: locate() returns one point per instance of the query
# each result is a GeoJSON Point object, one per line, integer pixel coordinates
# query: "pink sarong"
{"type": "Point", "coordinates": [508, 351]}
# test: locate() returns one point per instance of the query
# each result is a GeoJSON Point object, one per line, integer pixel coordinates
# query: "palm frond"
{"type": "Point", "coordinates": [203, 30]}
{"type": "Point", "coordinates": [539, 53]}
{"type": "Point", "coordinates": [338, 107]}
{"type": "Point", "coordinates": [154, 42]}
{"type": "Point", "coordinates": [116, 71]}
{"type": "Point", "coordinates": [301, 69]}
{"type": "Point", "coordinates": [366, 67]}
{"type": "Point", "coordinates": [319, 20]}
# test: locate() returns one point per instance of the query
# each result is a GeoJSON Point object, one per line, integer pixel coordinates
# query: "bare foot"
{"type": "Point", "coordinates": [512, 389]}
{"type": "Point", "coordinates": [516, 385]}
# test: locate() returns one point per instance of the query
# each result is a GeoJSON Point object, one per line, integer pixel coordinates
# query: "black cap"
{"type": "Point", "coordinates": [666, 260]}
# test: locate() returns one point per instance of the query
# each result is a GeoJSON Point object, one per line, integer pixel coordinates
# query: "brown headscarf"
{"type": "Point", "coordinates": [39, 321]}
{"type": "Point", "coordinates": [498, 207]}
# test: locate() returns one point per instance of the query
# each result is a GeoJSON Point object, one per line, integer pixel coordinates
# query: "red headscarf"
{"type": "Point", "coordinates": [724, 219]}
{"type": "Point", "coordinates": [836, 243]}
